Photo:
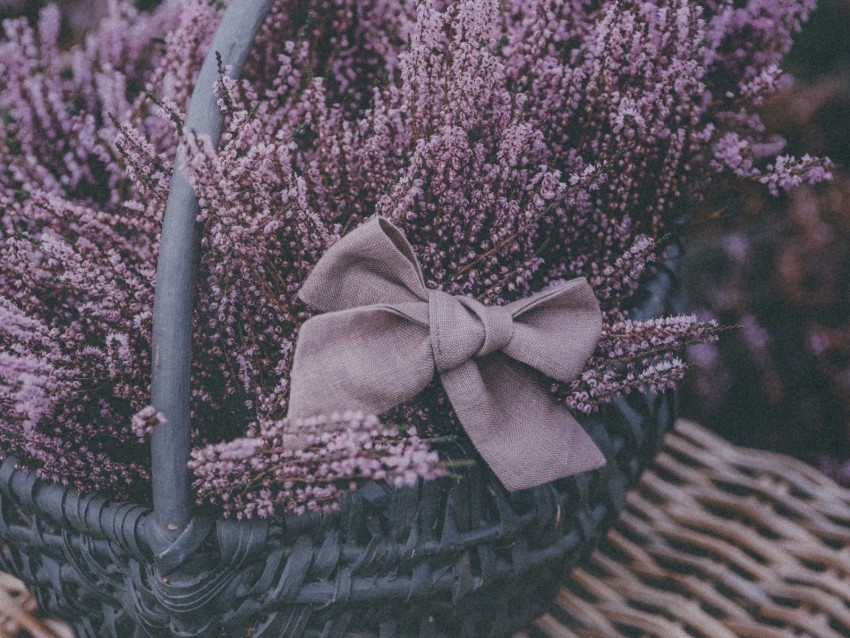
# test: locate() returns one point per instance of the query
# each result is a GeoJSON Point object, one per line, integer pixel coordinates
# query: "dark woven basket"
{"type": "Point", "coordinates": [449, 558]}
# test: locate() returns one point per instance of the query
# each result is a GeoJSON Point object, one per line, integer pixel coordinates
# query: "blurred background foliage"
{"type": "Point", "coordinates": [779, 269]}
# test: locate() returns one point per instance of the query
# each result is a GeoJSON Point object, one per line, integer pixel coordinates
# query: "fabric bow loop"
{"type": "Point", "coordinates": [383, 335]}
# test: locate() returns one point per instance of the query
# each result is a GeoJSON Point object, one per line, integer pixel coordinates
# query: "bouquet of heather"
{"type": "Point", "coordinates": [517, 145]}
{"type": "Point", "coordinates": [423, 222]}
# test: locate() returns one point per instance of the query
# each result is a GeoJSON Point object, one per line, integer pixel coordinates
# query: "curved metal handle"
{"type": "Point", "coordinates": [175, 278]}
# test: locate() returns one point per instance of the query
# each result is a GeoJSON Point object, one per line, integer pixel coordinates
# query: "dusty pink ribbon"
{"type": "Point", "coordinates": [383, 334]}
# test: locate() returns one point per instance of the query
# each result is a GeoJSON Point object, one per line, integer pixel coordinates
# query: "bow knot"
{"type": "Point", "coordinates": [462, 328]}
{"type": "Point", "coordinates": [384, 334]}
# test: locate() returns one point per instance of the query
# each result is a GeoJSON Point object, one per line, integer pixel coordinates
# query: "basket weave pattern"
{"type": "Point", "coordinates": [465, 557]}
{"type": "Point", "coordinates": [715, 541]}
{"type": "Point", "coordinates": [449, 558]}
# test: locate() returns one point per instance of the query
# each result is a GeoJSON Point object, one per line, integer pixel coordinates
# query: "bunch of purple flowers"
{"type": "Point", "coordinates": [517, 143]}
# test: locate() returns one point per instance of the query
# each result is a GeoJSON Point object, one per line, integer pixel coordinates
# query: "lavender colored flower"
{"type": "Point", "coordinates": [516, 143]}
{"type": "Point", "coordinates": [144, 422]}
{"type": "Point", "coordinates": [636, 355]}
{"type": "Point", "coordinates": [307, 465]}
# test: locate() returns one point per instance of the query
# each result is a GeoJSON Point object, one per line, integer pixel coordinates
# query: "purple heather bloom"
{"type": "Point", "coordinates": [517, 143]}
{"type": "Point", "coordinates": [308, 464]}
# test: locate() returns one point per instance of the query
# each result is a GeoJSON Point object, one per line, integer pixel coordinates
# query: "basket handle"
{"type": "Point", "coordinates": [176, 271]}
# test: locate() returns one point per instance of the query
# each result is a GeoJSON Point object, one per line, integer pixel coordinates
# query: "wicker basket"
{"type": "Point", "coordinates": [451, 558]}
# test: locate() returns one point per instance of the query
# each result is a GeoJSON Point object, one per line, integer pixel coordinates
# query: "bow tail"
{"type": "Point", "coordinates": [517, 426]}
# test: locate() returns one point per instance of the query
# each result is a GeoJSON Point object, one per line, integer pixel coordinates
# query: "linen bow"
{"type": "Point", "coordinates": [383, 334]}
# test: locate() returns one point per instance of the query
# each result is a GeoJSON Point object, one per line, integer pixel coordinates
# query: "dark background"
{"type": "Point", "coordinates": [779, 269]}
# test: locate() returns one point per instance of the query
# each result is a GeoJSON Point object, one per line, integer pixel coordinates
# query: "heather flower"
{"type": "Point", "coordinates": [516, 143]}
{"type": "Point", "coordinates": [596, 387]}
{"type": "Point", "coordinates": [636, 355]}
{"type": "Point", "coordinates": [145, 420]}
{"type": "Point", "coordinates": [787, 172]}
{"type": "Point", "coordinates": [307, 465]}
{"type": "Point", "coordinates": [617, 282]}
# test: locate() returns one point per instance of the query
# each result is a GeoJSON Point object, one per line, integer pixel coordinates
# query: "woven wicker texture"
{"type": "Point", "coordinates": [716, 541]}
{"type": "Point", "coordinates": [18, 614]}
{"type": "Point", "coordinates": [449, 559]}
